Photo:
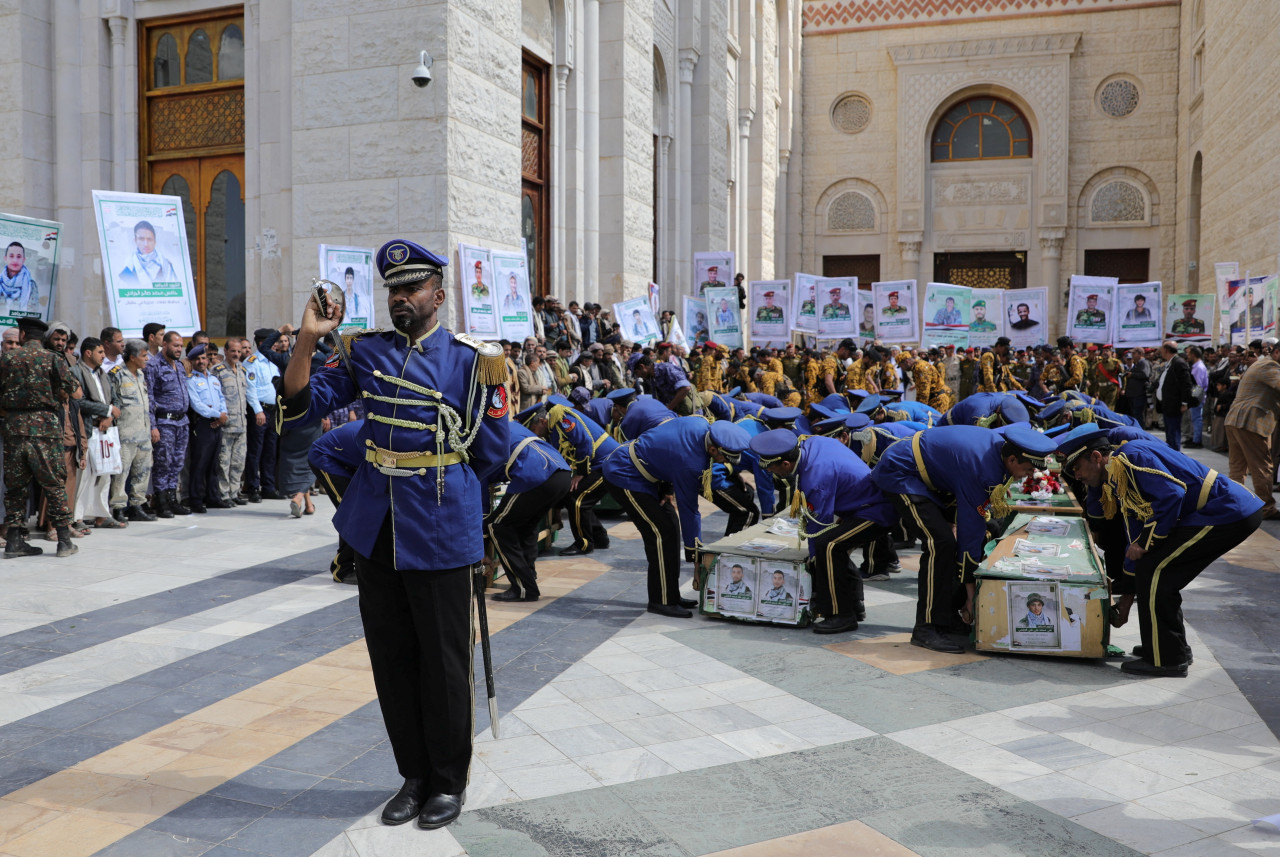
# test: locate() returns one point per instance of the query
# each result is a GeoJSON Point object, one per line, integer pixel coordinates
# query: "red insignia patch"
{"type": "Point", "coordinates": [498, 403]}
{"type": "Point", "coordinates": [567, 424]}
{"type": "Point", "coordinates": [331, 363]}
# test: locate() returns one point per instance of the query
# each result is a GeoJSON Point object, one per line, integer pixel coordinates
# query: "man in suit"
{"type": "Point", "coordinates": [1173, 393]}
{"type": "Point", "coordinates": [1250, 424]}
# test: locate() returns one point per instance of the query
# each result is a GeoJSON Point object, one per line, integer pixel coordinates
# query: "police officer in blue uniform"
{"type": "Point", "coordinates": [585, 445]}
{"type": "Point", "coordinates": [435, 432]}
{"type": "Point", "coordinates": [842, 508]}
{"type": "Point", "coordinates": [262, 443]}
{"type": "Point", "coordinates": [672, 460]}
{"type": "Point", "coordinates": [955, 475]}
{"type": "Point", "coordinates": [1179, 517]}
{"type": "Point", "coordinates": [538, 479]}
{"type": "Point", "coordinates": [167, 394]}
{"type": "Point", "coordinates": [208, 416]}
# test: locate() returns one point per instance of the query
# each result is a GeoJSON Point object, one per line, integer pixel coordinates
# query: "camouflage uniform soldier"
{"type": "Point", "coordinates": [1107, 374]}
{"type": "Point", "coordinates": [241, 397]}
{"type": "Point", "coordinates": [129, 486]}
{"type": "Point", "coordinates": [967, 367]}
{"type": "Point", "coordinates": [33, 385]}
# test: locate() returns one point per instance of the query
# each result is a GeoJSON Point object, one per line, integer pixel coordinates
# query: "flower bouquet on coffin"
{"type": "Point", "coordinates": [1042, 485]}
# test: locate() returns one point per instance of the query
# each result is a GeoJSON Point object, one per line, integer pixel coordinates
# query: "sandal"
{"type": "Point", "coordinates": [110, 524]}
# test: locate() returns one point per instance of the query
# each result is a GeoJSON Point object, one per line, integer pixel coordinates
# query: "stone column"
{"type": "Point", "coordinates": [743, 184]}
{"type": "Point", "coordinates": [684, 226]}
{"type": "Point", "coordinates": [663, 237]}
{"type": "Point", "coordinates": [591, 151]}
{"type": "Point", "coordinates": [559, 257]}
{"type": "Point", "coordinates": [780, 218]}
{"type": "Point", "coordinates": [1051, 240]}
{"type": "Point", "coordinates": [119, 130]}
{"type": "Point", "coordinates": [909, 243]}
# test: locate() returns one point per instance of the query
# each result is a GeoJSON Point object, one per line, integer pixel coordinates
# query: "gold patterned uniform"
{"type": "Point", "coordinates": [929, 386]}
{"type": "Point", "coordinates": [1076, 369]}
{"type": "Point", "coordinates": [776, 384]}
{"type": "Point", "coordinates": [709, 376]}
{"type": "Point", "coordinates": [828, 365]}
{"type": "Point", "coordinates": [994, 376]}
{"type": "Point", "coordinates": [861, 376]}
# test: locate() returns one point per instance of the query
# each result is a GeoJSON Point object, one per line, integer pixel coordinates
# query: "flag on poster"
{"type": "Point", "coordinates": [895, 310]}
{"type": "Point", "coordinates": [1252, 303]}
{"type": "Point", "coordinates": [712, 270]}
{"type": "Point", "coordinates": [724, 318]}
{"type": "Point", "coordinates": [475, 270]}
{"type": "Point", "coordinates": [636, 317]}
{"type": "Point", "coordinates": [694, 313]}
{"type": "Point", "coordinates": [1089, 314]}
{"type": "Point", "coordinates": [835, 307]}
{"type": "Point", "coordinates": [770, 307]}
{"type": "Point", "coordinates": [946, 315]}
{"type": "Point", "coordinates": [146, 261]}
{"type": "Point", "coordinates": [986, 318]}
{"type": "Point", "coordinates": [806, 303]}
{"type": "Point", "coordinates": [1189, 318]}
{"type": "Point", "coordinates": [30, 270]}
{"type": "Point", "coordinates": [1137, 309]}
{"type": "Point", "coordinates": [1024, 314]}
{"type": "Point", "coordinates": [866, 315]}
{"type": "Point", "coordinates": [515, 307]}
{"type": "Point", "coordinates": [352, 269]}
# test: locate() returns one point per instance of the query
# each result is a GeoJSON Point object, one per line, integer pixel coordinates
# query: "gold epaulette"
{"type": "Point", "coordinates": [491, 366]}
{"type": "Point", "coordinates": [350, 336]}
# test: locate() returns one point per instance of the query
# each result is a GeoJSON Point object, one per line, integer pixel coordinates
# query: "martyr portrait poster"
{"type": "Point", "coordinates": [1034, 615]}
{"type": "Point", "coordinates": [736, 585]}
{"type": "Point", "coordinates": [836, 297]}
{"type": "Point", "coordinates": [946, 315]}
{"type": "Point", "coordinates": [724, 317]}
{"type": "Point", "coordinates": [515, 307]}
{"type": "Point", "coordinates": [1089, 314]}
{"type": "Point", "coordinates": [779, 591]}
{"type": "Point", "coordinates": [351, 268]}
{"type": "Point", "coordinates": [712, 270]}
{"type": "Point", "coordinates": [30, 270]}
{"type": "Point", "coordinates": [806, 303]}
{"type": "Point", "coordinates": [895, 310]}
{"type": "Point", "coordinates": [479, 306]}
{"type": "Point", "coordinates": [770, 310]}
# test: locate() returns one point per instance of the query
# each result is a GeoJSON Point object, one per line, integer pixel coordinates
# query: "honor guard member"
{"type": "Point", "coordinates": [208, 416]}
{"type": "Point", "coordinates": [619, 400]}
{"type": "Point", "coordinates": [599, 409]}
{"type": "Point", "coordinates": [955, 475]}
{"type": "Point", "coordinates": [868, 441]}
{"type": "Point", "coordinates": [1179, 517]}
{"type": "Point", "coordinates": [584, 444]}
{"type": "Point", "coordinates": [1080, 413]}
{"type": "Point", "coordinates": [989, 410]}
{"type": "Point", "coordinates": [1050, 415]}
{"type": "Point", "coordinates": [794, 421]}
{"type": "Point", "coordinates": [894, 411]}
{"type": "Point", "coordinates": [671, 460]}
{"type": "Point", "coordinates": [841, 508]}
{"type": "Point", "coordinates": [167, 392]}
{"type": "Point", "coordinates": [335, 457]}
{"type": "Point", "coordinates": [731, 495]}
{"type": "Point", "coordinates": [435, 432]}
{"type": "Point", "coordinates": [538, 480]}
{"type": "Point", "coordinates": [749, 421]}
{"type": "Point", "coordinates": [34, 384]}
{"type": "Point", "coordinates": [723, 407]}
{"type": "Point", "coordinates": [642, 415]}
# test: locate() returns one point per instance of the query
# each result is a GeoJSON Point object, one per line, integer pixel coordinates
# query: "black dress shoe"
{"type": "Point", "coordinates": [406, 804]}
{"type": "Point", "coordinates": [929, 637]}
{"type": "Point", "coordinates": [137, 513]}
{"type": "Point", "coordinates": [1143, 668]}
{"type": "Point", "coordinates": [224, 504]}
{"type": "Point", "coordinates": [602, 543]}
{"type": "Point", "coordinates": [675, 611]}
{"type": "Point", "coordinates": [836, 624]}
{"type": "Point", "coordinates": [273, 495]}
{"type": "Point", "coordinates": [439, 810]}
{"type": "Point", "coordinates": [689, 603]}
{"type": "Point", "coordinates": [255, 496]}
{"type": "Point", "coordinates": [120, 515]}
{"type": "Point", "coordinates": [1140, 651]}
{"type": "Point", "coordinates": [574, 550]}
{"type": "Point", "coordinates": [198, 508]}
{"type": "Point", "coordinates": [512, 594]}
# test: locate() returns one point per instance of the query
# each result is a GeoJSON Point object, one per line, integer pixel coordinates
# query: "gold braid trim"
{"type": "Point", "coordinates": [989, 420]}
{"type": "Point", "coordinates": [706, 482]}
{"type": "Point", "coordinates": [1108, 501]}
{"type": "Point", "coordinates": [1000, 501]}
{"type": "Point", "coordinates": [1086, 415]}
{"type": "Point", "coordinates": [555, 414]}
{"type": "Point", "coordinates": [1130, 498]}
{"type": "Point", "coordinates": [395, 421]}
{"type": "Point", "coordinates": [492, 370]}
{"type": "Point", "coordinates": [797, 503]}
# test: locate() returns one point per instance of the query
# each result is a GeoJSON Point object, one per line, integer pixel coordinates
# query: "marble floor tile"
{"type": "Point", "coordinates": [1122, 779]}
{"type": "Point", "coordinates": [995, 728]}
{"type": "Point", "coordinates": [685, 699]}
{"type": "Point", "coordinates": [840, 840]}
{"type": "Point", "coordinates": [692, 753]}
{"type": "Point", "coordinates": [659, 729]}
{"type": "Point", "coordinates": [1255, 840]}
{"type": "Point", "coordinates": [627, 707]}
{"type": "Point", "coordinates": [597, 687]}
{"type": "Point", "coordinates": [763, 741]}
{"type": "Point", "coordinates": [827, 729]}
{"type": "Point", "coordinates": [649, 681]}
{"type": "Point", "coordinates": [383, 841]}
{"type": "Point", "coordinates": [1196, 808]}
{"type": "Point", "coordinates": [935, 738]}
{"type": "Point", "coordinates": [542, 780]}
{"type": "Point", "coordinates": [518, 752]}
{"type": "Point", "coordinates": [588, 740]}
{"type": "Point", "coordinates": [1055, 752]}
{"type": "Point", "coordinates": [625, 662]}
{"type": "Point", "coordinates": [743, 689]}
{"type": "Point", "coordinates": [557, 717]}
{"type": "Point", "coordinates": [782, 709]}
{"type": "Point", "coordinates": [624, 766]}
{"type": "Point", "coordinates": [1209, 847]}
{"type": "Point", "coordinates": [1139, 827]}
{"type": "Point", "coordinates": [486, 788]}
{"type": "Point", "coordinates": [1180, 763]}
{"type": "Point", "coordinates": [722, 718]}
{"type": "Point", "coordinates": [1210, 715]}
{"type": "Point", "coordinates": [992, 764]}
{"type": "Point", "coordinates": [1162, 726]}
{"type": "Point", "coordinates": [1061, 794]}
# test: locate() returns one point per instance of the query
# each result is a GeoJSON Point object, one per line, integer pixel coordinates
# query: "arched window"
{"type": "Point", "coordinates": [981, 129]}
{"type": "Point", "coordinates": [231, 54]}
{"type": "Point", "coordinates": [199, 58]}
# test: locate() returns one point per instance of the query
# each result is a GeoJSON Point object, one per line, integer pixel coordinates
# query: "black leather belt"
{"type": "Point", "coordinates": [171, 415]}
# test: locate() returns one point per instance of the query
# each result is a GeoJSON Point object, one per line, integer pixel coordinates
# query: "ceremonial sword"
{"type": "Point", "coordinates": [335, 338]}
{"type": "Point", "coordinates": [484, 650]}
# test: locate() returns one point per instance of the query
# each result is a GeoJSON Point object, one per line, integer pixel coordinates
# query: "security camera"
{"type": "Point", "coordinates": [422, 74]}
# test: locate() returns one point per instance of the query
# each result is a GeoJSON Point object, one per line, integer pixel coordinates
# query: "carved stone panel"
{"type": "Point", "coordinates": [959, 191]}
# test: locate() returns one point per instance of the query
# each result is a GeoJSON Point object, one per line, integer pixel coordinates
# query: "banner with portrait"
{"type": "Point", "coordinates": [1137, 309]}
{"type": "Point", "coordinates": [723, 316]}
{"type": "Point", "coordinates": [515, 306]}
{"type": "Point", "coordinates": [146, 262]}
{"type": "Point", "coordinates": [865, 311]}
{"type": "Point", "coordinates": [30, 272]}
{"type": "Point", "coordinates": [1253, 305]}
{"type": "Point", "coordinates": [1024, 317]}
{"type": "Point", "coordinates": [479, 308]}
{"type": "Point", "coordinates": [1223, 273]}
{"type": "Point", "coordinates": [895, 310]}
{"type": "Point", "coordinates": [712, 270]}
{"type": "Point", "coordinates": [1089, 314]}
{"type": "Point", "coordinates": [636, 317]}
{"type": "Point", "coordinates": [986, 318]}
{"type": "Point", "coordinates": [352, 269]}
{"type": "Point", "coordinates": [1034, 615]}
{"type": "Point", "coordinates": [1190, 318]}
{"type": "Point", "coordinates": [736, 585]}
{"type": "Point", "coordinates": [693, 312]}
{"type": "Point", "coordinates": [804, 301]}
{"type": "Point", "coordinates": [946, 315]}
{"type": "Point", "coordinates": [778, 590]}
{"type": "Point", "coordinates": [835, 307]}
{"type": "Point", "coordinates": [769, 304]}
{"type": "Point", "coordinates": [655, 299]}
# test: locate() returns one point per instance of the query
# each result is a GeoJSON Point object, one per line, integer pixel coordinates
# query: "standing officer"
{"type": "Point", "coordinates": [1075, 366]}
{"type": "Point", "coordinates": [129, 486]}
{"type": "Point", "coordinates": [434, 433]}
{"type": "Point", "coordinates": [209, 409]}
{"type": "Point", "coordinates": [242, 399]}
{"type": "Point", "coordinates": [538, 479]}
{"type": "Point", "coordinates": [955, 475]}
{"type": "Point", "coordinates": [262, 441]}
{"type": "Point", "coordinates": [34, 384]}
{"type": "Point", "coordinates": [1179, 517]}
{"type": "Point", "coordinates": [169, 402]}
{"type": "Point", "coordinates": [842, 509]}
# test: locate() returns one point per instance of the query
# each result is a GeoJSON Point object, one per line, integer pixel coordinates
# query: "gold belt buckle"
{"type": "Point", "coordinates": [386, 458]}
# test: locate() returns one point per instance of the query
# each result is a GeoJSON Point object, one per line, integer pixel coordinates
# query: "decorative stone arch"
{"type": "Point", "coordinates": [841, 190]}
{"type": "Point", "coordinates": [1118, 177]}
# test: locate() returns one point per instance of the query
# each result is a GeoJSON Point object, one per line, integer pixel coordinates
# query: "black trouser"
{"type": "Point", "coordinates": [740, 504]}
{"type": "Point", "coordinates": [417, 626]}
{"type": "Point", "coordinates": [941, 594]}
{"type": "Point", "coordinates": [513, 529]}
{"type": "Point", "coordinates": [260, 453]}
{"type": "Point", "coordinates": [1163, 572]}
{"type": "Point", "coordinates": [659, 527]}
{"type": "Point", "coordinates": [335, 485]}
{"type": "Point", "coordinates": [837, 587]}
{"type": "Point", "coordinates": [879, 553]}
{"type": "Point", "coordinates": [783, 490]}
{"type": "Point", "coordinates": [581, 504]}
{"type": "Point", "coordinates": [202, 484]}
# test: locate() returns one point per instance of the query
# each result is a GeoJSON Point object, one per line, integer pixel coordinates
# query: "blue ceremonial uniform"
{"type": "Point", "coordinates": [723, 407]}
{"type": "Point", "coordinates": [599, 409]}
{"type": "Point", "coordinates": [642, 415]}
{"type": "Point", "coordinates": [334, 458]}
{"type": "Point", "coordinates": [169, 403]}
{"type": "Point", "coordinates": [765, 492]}
{"type": "Point", "coordinates": [585, 445]}
{"type": "Point", "coordinates": [871, 442]}
{"type": "Point", "coordinates": [981, 408]}
{"type": "Point", "coordinates": [836, 484]}
{"type": "Point", "coordinates": [531, 463]}
{"type": "Point", "coordinates": [1100, 414]}
{"type": "Point", "coordinates": [764, 400]}
{"type": "Point", "coordinates": [916, 411]}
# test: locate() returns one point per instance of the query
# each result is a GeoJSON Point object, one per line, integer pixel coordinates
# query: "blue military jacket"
{"type": "Point", "coordinates": [674, 452]}
{"type": "Point", "coordinates": [871, 442]}
{"type": "Point", "coordinates": [980, 406]}
{"type": "Point", "coordinates": [763, 478]}
{"type": "Point", "coordinates": [835, 484]}
{"type": "Point", "coordinates": [338, 451]}
{"type": "Point", "coordinates": [764, 400]}
{"type": "Point", "coordinates": [532, 461]}
{"type": "Point", "coordinates": [950, 464]}
{"type": "Point", "coordinates": [600, 410]}
{"type": "Point", "coordinates": [916, 411]}
{"type": "Point", "coordinates": [581, 440]}
{"type": "Point", "coordinates": [422, 400]}
{"type": "Point", "coordinates": [724, 408]}
{"type": "Point", "coordinates": [1102, 415]}
{"type": "Point", "coordinates": [643, 414]}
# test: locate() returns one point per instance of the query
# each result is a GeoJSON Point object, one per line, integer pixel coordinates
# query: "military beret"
{"type": "Point", "coordinates": [781, 416]}
{"type": "Point", "coordinates": [1079, 440]}
{"type": "Point", "coordinates": [835, 402]}
{"type": "Point", "coordinates": [622, 395]}
{"type": "Point", "coordinates": [401, 262]}
{"type": "Point", "coordinates": [33, 325]}
{"type": "Point", "coordinates": [768, 294]}
{"type": "Point", "coordinates": [869, 404]}
{"type": "Point", "coordinates": [1050, 411]}
{"type": "Point", "coordinates": [729, 437]}
{"type": "Point", "coordinates": [1190, 303]}
{"type": "Point", "coordinates": [773, 445]}
{"type": "Point", "coordinates": [1028, 443]}
{"type": "Point", "coordinates": [196, 351]}
{"type": "Point", "coordinates": [980, 303]}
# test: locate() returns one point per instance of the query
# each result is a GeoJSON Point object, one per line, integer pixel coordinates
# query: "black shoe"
{"type": "Point", "coordinates": [894, 568]}
{"type": "Point", "coordinates": [241, 500]}
{"type": "Point", "coordinates": [689, 603]}
{"type": "Point", "coordinates": [16, 545]}
{"type": "Point", "coordinates": [879, 575]}
{"type": "Point", "coordinates": [1189, 445]}
{"type": "Point", "coordinates": [511, 594]}
{"type": "Point", "coordinates": [602, 544]}
{"type": "Point", "coordinates": [135, 513]}
{"type": "Point", "coordinates": [273, 495]}
{"type": "Point", "coordinates": [439, 810]}
{"type": "Point", "coordinates": [675, 611]}
{"type": "Point", "coordinates": [929, 637]}
{"type": "Point", "coordinates": [1143, 668]}
{"type": "Point", "coordinates": [574, 550]}
{"type": "Point", "coordinates": [160, 503]}
{"type": "Point", "coordinates": [407, 803]}
{"type": "Point", "coordinates": [836, 624]}
{"type": "Point", "coordinates": [66, 547]}
{"type": "Point", "coordinates": [198, 508]}
{"type": "Point", "coordinates": [861, 613]}
{"type": "Point", "coordinates": [1140, 651]}
{"type": "Point", "coordinates": [176, 505]}
{"type": "Point", "coordinates": [255, 496]}
{"type": "Point", "coordinates": [119, 515]}
{"type": "Point", "coordinates": [224, 504]}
